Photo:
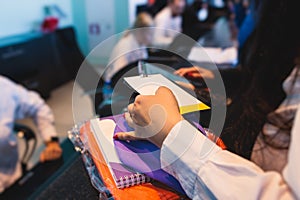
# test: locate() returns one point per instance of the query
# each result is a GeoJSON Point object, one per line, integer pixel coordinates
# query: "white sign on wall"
{"type": "Point", "coordinates": [100, 21]}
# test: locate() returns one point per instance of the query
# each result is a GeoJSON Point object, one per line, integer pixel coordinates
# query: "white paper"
{"type": "Point", "coordinates": [103, 131]}
{"type": "Point", "coordinates": [148, 86]}
{"type": "Point", "coordinates": [216, 55]}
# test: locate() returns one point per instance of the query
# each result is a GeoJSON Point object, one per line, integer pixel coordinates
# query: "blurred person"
{"type": "Point", "coordinates": [156, 6]}
{"type": "Point", "coordinates": [194, 19]}
{"type": "Point", "coordinates": [268, 58]}
{"type": "Point", "coordinates": [169, 22]}
{"type": "Point", "coordinates": [16, 102]}
{"type": "Point", "coordinates": [248, 25]}
{"type": "Point", "coordinates": [242, 19]}
{"type": "Point", "coordinates": [241, 8]}
{"type": "Point", "coordinates": [197, 162]}
{"type": "Point", "coordinates": [132, 46]}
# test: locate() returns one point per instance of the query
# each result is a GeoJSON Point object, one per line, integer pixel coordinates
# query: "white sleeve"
{"type": "Point", "coordinates": [291, 170]}
{"type": "Point", "coordinates": [203, 169]}
{"type": "Point", "coordinates": [160, 34]}
{"type": "Point", "coordinates": [30, 104]}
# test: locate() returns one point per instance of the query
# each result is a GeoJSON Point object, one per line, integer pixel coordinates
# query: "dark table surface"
{"type": "Point", "coordinates": [66, 178]}
{"type": "Point", "coordinates": [72, 183]}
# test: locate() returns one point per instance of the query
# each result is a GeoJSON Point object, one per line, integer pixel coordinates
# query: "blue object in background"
{"type": "Point", "coordinates": [246, 29]}
{"type": "Point", "coordinates": [248, 25]}
{"type": "Point", "coordinates": [107, 91]}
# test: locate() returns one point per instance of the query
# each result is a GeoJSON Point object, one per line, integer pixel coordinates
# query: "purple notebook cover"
{"type": "Point", "coordinates": [143, 156]}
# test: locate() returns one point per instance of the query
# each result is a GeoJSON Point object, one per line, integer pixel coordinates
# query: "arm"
{"type": "Point", "coordinates": [231, 77]}
{"type": "Point", "coordinates": [197, 162]}
{"type": "Point", "coordinates": [202, 167]}
{"type": "Point", "coordinates": [161, 37]}
{"type": "Point", "coordinates": [30, 104]}
{"type": "Point", "coordinates": [291, 170]}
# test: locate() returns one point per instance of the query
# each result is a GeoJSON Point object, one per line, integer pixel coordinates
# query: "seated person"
{"type": "Point", "coordinates": [16, 102]}
{"type": "Point", "coordinates": [156, 6]}
{"type": "Point", "coordinates": [194, 160]}
{"type": "Point", "coordinates": [240, 8]}
{"type": "Point", "coordinates": [267, 61]}
{"type": "Point", "coordinates": [248, 25]}
{"type": "Point", "coordinates": [195, 19]}
{"type": "Point", "coordinates": [242, 30]}
{"type": "Point", "coordinates": [169, 21]}
{"type": "Point", "coordinates": [131, 47]}
{"type": "Point", "coordinates": [262, 123]}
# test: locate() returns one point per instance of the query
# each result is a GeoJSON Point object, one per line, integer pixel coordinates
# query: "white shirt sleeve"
{"type": "Point", "coordinates": [291, 170]}
{"type": "Point", "coordinates": [166, 28]}
{"type": "Point", "coordinates": [16, 102]}
{"type": "Point", "coordinates": [126, 51]}
{"type": "Point", "coordinates": [203, 169]}
{"type": "Point", "coordinates": [160, 35]}
{"type": "Point", "coordinates": [30, 104]}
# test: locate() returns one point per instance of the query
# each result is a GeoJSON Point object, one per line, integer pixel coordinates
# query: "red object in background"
{"type": "Point", "coordinates": [216, 140]}
{"type": "Point", "coordinates": [150, 2]}
{"type": "Point", "coordinates": [190, 76]}
{"type": "Point", "coordinates": [49, 24]}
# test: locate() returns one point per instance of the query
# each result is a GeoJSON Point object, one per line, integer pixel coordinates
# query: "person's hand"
{"type": "Point", "coordinates": [152, 117]}
{"type": "Point", "coordinates": [186, 85]}
{"type": "Point", "coordinates": [52, 152]}
{"type": "Point", "coordinates": [195, 72]}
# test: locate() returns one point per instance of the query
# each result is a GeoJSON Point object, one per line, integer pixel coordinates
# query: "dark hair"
{"type": "Point", "coordinates": [267, 63]}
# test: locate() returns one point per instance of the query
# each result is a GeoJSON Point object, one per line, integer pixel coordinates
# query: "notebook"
{"type": "Point", "coordinates": [103, 131]}
{"type": "Point", "coordinates": [216, 55]}
{"type": "Point", "coordinates": [165, 71]}
{"type": "Point", "coordinates": [147, 85]}
{"type": "Point", "coordinates": [142, 155]}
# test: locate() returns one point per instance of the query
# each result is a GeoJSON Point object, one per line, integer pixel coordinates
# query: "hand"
{"type": "Point", "coordinates": [52, 152]}
{"type": "Point", "coordinates": [152, 117]}
{"type": "Point", "coordinates": [195, 72]}
{"type": "Point", "coordinates": [186, 85]}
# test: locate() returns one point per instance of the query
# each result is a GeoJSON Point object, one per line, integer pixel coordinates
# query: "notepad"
{"type": "Point", "coordinates": [148, 86]}
{"type": "Point", "coordinates": [216, 55]}
{"type": "Point", "coordinates": [103, 131]}
{"type": "Point", "coordinates": [165, 71]}
{"type": "Point", "coordinates": [142, 155]}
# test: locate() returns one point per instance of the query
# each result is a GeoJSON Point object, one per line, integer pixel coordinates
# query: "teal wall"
{"type": "Point", "coordinates": [80, 24]}
{"type": "Point", "coordinates": [25, 17]}
{"type": "Point", "coordinates": [79, 8]}
{"type": "Point", "coordinates": [121, 15]}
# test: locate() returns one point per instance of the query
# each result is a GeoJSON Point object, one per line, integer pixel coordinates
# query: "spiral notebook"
{"type": "Point", "coordinates": [103, 131]}
{"type": "Point", "coordinates": [140, 155]}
